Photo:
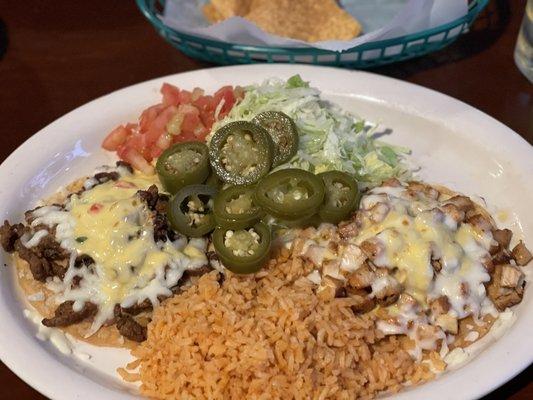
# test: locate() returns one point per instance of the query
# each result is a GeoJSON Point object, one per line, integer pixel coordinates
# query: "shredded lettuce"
{"type": "Point", "coordinates": [330, 138]}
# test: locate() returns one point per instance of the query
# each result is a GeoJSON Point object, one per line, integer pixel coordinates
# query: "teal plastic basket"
{"type": "Point", "coordinates": [364, 56]}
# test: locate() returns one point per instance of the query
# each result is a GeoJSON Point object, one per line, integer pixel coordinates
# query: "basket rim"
{"type": "Point", "coordinates": [475, 7]}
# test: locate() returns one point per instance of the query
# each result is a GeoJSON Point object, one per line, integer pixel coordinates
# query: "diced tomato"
{"type": "Point", "coordinates": [137, 161]}
{"type": "Point", "coordinates": [191, 118]}
{"type": "Point", "coordinates": [95, 208]}
{"type": "Point", "coordinates": [155, 152]}
{"type": "Point", "coordinates": [200, 132]}
{"type": "Point", "coordinates": [140, 143]}
{"type": "Point", "coordinates": [185, 137]}
{"type": "Point", "coordinates": [149, 115]}
{"type": "Point", "coordinates": [185, 97]}
{"type": "Point", "coordinates": [196, 94]}
{"type": "Point", "coordinates": [208, 119]}
{"type": "Point", "coordinates": [125, 185]}
{"type": "Point", "coordinates": [226, 95]}
{"type": "Point", "coordinates": [171, 95]}
{"type": "Point", "coordinates": [205, 103]}
{"type": "Point", "coordinates": [164, 141]}
{"type": "Point", "coordinates": [131, 127]}
{"type": "Point", "coordinates": [239, 93]}
{"type": "Point", "coordinates": [115, 138]}
{"type": "Point", "coordinates": [121, 151]}
{"type": "Point", "coordinates": [158, 126]}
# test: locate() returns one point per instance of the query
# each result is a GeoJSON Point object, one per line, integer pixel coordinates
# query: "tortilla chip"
{"type": "Point", "coordinates": [219, 10]}
{"type": "Point", "coordinates": [307, 20]}
{"type": "Point", "coordinates": [212, 14]}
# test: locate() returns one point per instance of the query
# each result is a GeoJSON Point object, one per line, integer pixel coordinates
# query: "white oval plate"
{"type": "Point", "coordinates": [455, 144]}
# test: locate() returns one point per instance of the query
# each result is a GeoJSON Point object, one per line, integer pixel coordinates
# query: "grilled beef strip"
{"type": "Point", "coordinates": [10, 234]}
{"type": "Point", "coordinates": [103, 177]}
{"type": "Point", "coordinates": [126, 165]}
{"type": "Point", "coordinates": [127, 325]}
{"type": "Point", "coordinates": [65, 315]}
{"type": "Point", "coordinates": [131, 329]}
{"type": "Point", "coordinates": [45, 260]}
{"type": "Point", "coordinates": [158, 203]}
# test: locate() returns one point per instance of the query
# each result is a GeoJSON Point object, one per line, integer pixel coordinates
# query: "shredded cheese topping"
{"type": "Point", "coordinates": [414, 231]}
{"type": "Point", "coordinates": [110, 223]}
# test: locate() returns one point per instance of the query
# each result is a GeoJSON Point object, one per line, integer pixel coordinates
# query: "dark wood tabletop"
{"type": "Point", "coordinates": [56, 56]}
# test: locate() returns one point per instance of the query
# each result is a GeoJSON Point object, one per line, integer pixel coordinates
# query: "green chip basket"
{"type": "Point", "coordinates": [364, 56]}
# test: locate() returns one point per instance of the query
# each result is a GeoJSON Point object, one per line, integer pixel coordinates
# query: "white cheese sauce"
{"type": "Point", "coordinates": [56, 337]}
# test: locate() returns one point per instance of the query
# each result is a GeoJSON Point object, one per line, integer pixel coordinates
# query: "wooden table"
{"type": "Point", "coordinates": [64, 53]}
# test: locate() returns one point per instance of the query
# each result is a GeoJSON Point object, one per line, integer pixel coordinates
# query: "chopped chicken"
{"type": "Point", "coordinates": [315, 277]}
{"type": "Point", "coordinates": [407, 301]}
{"type": "Point", "coordinates": [416, 188]}
{"type": "Point", "coordinates": [511, 276]}
{"type": "Point", "coordinates": [521, 254]}
{"type": "Point", "coordinates": [336, 285]}
{"type": "Point", "coordinates": [363, 303]}
{"type": "Point", "coordinates": [463, 203]}
{"type": "Point", "coordinates": [378, 212]}
{"type": "Point", "coordinates": [385, 289]}
{"type": "Point", "coordinates": [426, 332]}
{"type": "Point", "coordinates": [299, 245]}
{"type": "Point", "coordinates": [351, 258]}
{"type": "Point", "coordinates": [372, 248]}
{"type": "Point", "coordinates": [439, 306]}
{"type": "Point", "coordinates": [348, 229]}
{"type": "Point", "coordinates": [448, 323]}
{"type": "Point", "coordinates": [352, 272]}
{"type": "Point", "coordinates": [391, 182]}
{"type": "Point", "coordinates": [332, 268]}
{"type": "Point", "coordinates": [480, 222]}
{"type": "Point", "coordinates": [453, 212]}
{"type": "Point", "coordinates": [327, 232]}
{"type": "Point", "coordinates": [368, 202]}
{"type": "Point", "coordinates": [503, 237]}
{"type": "Point", "coordinates": [359, 219]}
{"type": "Point", "coordinates": [315, 254]}
{"type": "Point", "coordinates": [333, 247]}
{"type": "Point", "coordinates": [506, 299]}
{"type": "Point", "coordinates": [503, 296]}
{"type": "Point", "coordinates": [487, 262]}
{"type": "Point", "coordinates": [501, 257]}
{"type": "Point", "coordinates": [362, 278]}
{"type": "Point", "coordinates": [308, 233]}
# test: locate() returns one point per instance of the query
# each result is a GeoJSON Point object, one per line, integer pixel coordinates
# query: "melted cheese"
{"type": "Point", "coordinates": [35, 239]}
{"type": "Point", "coordinates": [414, 232]}
{"type": "Point", "coordinates": [112, 225]}
{"type": "Point", "coordinates": [408, 318]}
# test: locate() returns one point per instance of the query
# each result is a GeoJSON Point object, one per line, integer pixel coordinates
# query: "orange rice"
{"type": "Point", "coordinates": [267, 336]}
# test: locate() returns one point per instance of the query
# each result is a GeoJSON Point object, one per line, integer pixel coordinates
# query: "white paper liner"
{"type": "Point", "coordinates": [381, 19]}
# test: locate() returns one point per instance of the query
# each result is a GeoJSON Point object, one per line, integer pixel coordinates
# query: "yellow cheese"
{"type": "Point", "coordinates": [412, 234]}
{"type": "Point", "coordinates": [113, 226]}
